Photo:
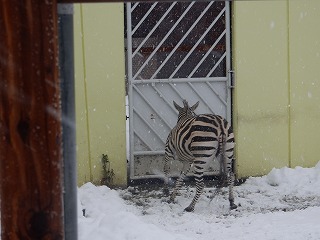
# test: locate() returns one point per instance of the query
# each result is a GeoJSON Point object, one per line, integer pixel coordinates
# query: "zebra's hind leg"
{"type": "Point", "coordinates": [198, 174]}
{"type": "Point", "coordinates": [227, 157]}
{"type": "Point", "coordinates": [199, 190]}
{"type": "Point", "coordinates": [231, 179]}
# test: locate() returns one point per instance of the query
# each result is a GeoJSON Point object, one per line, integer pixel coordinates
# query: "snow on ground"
{"type": "Point", "coordinates": [285, 204]}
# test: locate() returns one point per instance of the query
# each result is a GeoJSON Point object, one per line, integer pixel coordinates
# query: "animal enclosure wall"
{"type": "Point", "coordinates": [276, 58]}
{"type": "Point", "coordinates": [100, 91]}
{"type": "Point", "coordinates": [276, 113]}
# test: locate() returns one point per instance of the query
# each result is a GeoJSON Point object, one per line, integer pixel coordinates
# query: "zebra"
{"type": "Point", "coordinates": [195, 141]}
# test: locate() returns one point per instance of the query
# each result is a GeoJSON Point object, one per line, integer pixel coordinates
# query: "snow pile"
{"type": "Point", "coordinates": [285, 204]}
{"type": "Point", "coordinates": [299, 177]}
{"type": "Point", "coordinates": [284, 189]}
{"type": "Point", "coordinates": [107, 217]}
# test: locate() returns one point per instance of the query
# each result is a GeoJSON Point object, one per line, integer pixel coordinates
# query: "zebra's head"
{"type": "Point", "coordinates": [185, 111]}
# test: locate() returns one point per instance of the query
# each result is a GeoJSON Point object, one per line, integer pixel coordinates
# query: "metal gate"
{"type": "Point", "coordinates": [174, 51]}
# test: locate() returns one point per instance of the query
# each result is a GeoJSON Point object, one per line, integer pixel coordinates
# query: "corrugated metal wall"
{"type": "Point", "coordinates": [276, 59]}
{"type": "Point", "coordinates": [100, 91]}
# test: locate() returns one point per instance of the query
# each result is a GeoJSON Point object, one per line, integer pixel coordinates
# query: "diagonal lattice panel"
{"type": "Point", "coordinates": [174, 51]}
{"type": "Point", "coordinates": [171, 37]}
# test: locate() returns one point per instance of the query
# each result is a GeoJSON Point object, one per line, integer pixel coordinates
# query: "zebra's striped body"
{"type": "Point", "coordinates": [195, 141]}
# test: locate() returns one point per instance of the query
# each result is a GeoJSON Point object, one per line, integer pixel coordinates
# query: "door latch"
{"type": "Point", "coordinates": [231, 78]}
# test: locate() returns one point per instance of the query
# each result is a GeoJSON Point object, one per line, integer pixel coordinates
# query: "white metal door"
{"type": "Point", "coordinates": [175, 51]}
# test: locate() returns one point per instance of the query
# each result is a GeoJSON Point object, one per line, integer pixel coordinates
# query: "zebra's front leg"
{"type": "Point", "coordinates": [177, 187]}
{"type": "Point", "coordinates": [185, 170]}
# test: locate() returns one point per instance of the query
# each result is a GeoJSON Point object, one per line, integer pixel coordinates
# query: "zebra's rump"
{"type": "Point", "coordinates": [201, 136]}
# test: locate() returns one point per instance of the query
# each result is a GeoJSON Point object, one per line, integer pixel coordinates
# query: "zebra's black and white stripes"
{"type": "Point", "coordinates": [195, 141]}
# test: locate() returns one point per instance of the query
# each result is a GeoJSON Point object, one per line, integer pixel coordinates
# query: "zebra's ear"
{"type": "Point", "coordinates": [177, 106]}
{"type": "Point", "coordinates": [194, 106]}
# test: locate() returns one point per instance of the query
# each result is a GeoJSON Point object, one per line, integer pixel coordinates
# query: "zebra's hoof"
{"type": "Point", "coordinates": [233, 206]}
{"type": "Point", "coordinates": [188, 209]}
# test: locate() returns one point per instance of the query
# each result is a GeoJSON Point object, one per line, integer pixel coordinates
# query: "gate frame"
{"type": "Point", "coordinates": [228, 78]}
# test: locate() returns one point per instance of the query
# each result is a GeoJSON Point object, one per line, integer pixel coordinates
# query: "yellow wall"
{"type": "Point", "coordinates": [304, 19]}
{"type": "Point", "coordinates": [100, 91]}
{"type": "Point", "coordinates": [276, 111]}
{"type": "Point", "coordinates": [261, 93]}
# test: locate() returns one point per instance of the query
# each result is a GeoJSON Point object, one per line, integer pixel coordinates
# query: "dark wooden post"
{"type": "Point", "coordinates": [30, 121]}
